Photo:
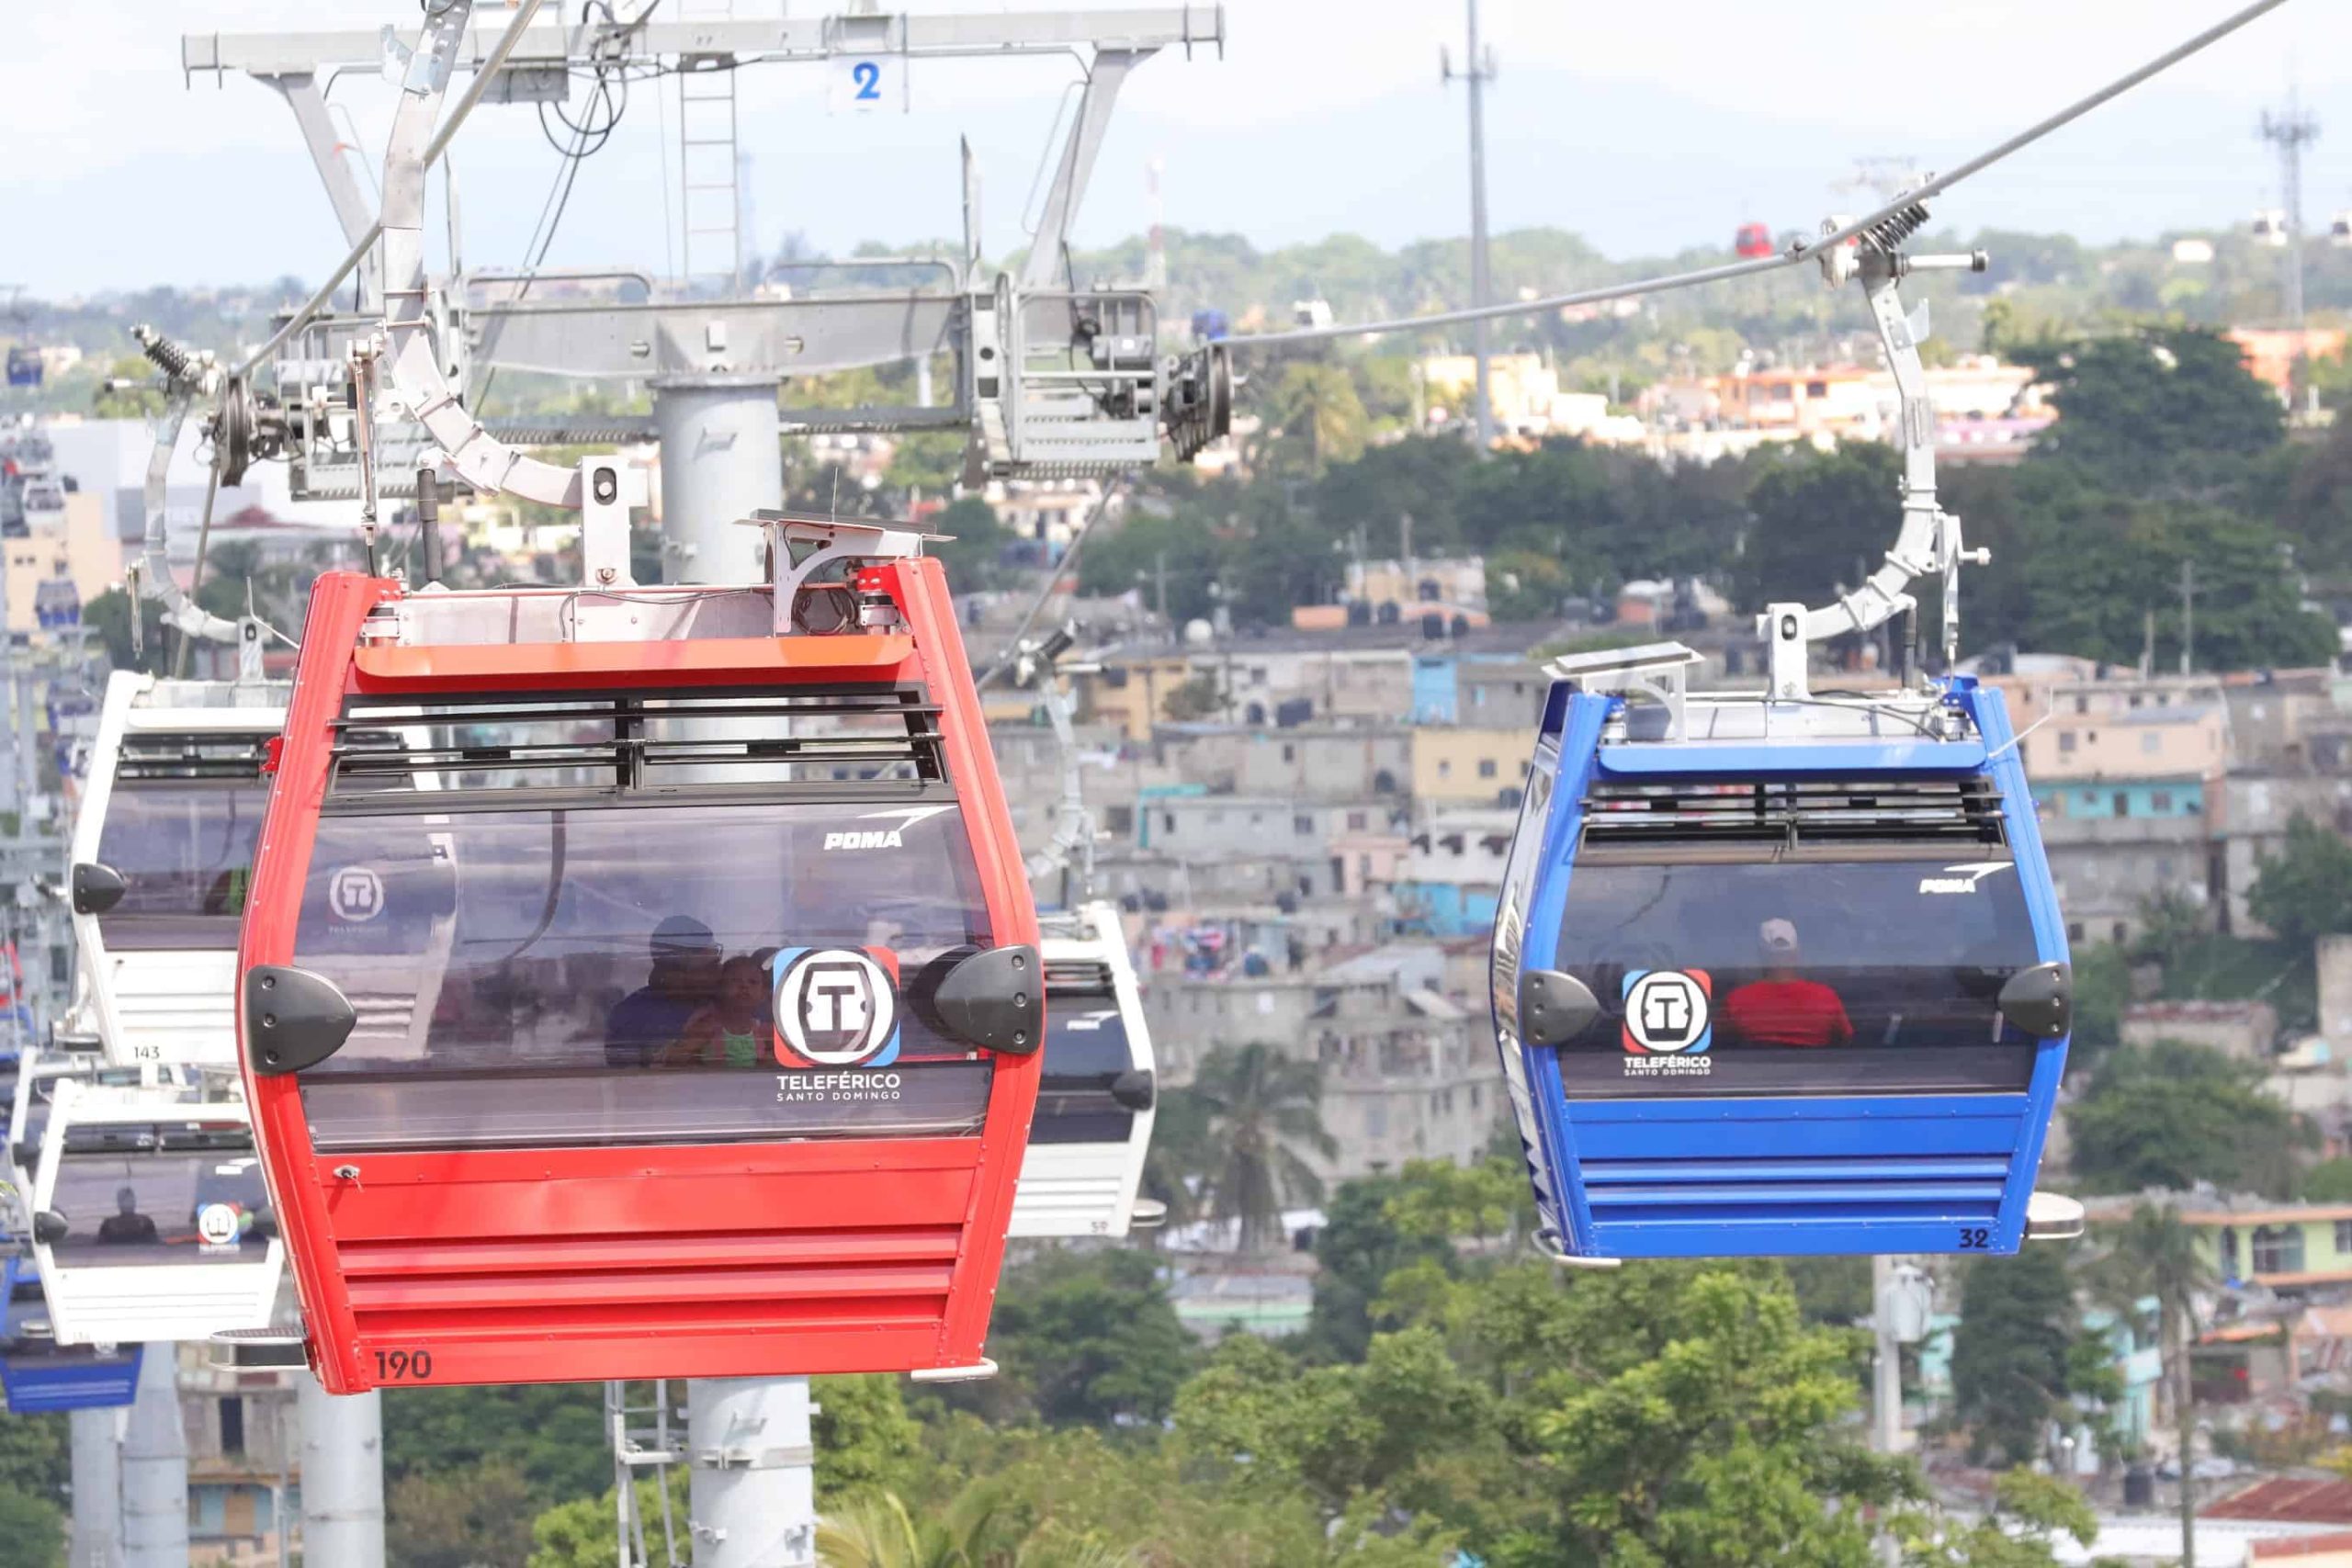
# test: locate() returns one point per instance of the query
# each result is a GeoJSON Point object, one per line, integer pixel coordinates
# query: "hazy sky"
{"type": "Point", "coordinates": [1645, 125]}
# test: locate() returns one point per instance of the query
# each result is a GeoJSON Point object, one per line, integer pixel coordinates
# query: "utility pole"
{"type": "Point", "coordinates": [1478, 69]}
{"type": "Point", "coordinates": [2188, 616]}
{"type": "Point", "coordinates": [2291, 132]}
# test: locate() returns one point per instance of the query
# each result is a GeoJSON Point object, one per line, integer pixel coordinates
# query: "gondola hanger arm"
{"type": "Point", "coordinates": [1929, 542]}
{"type": "Point", "coordinates": [413, 363]}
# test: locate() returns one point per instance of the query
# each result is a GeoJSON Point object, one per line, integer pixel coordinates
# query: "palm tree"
{"type": "Point", "coordinates": [2156, 1253]}
{"type": "Point", "coordinates": [877, 1529]}
{"type": "Point", "coordinates": [1178, 1156]}
{"type": "Point", "coordinates": [1262, 1107]}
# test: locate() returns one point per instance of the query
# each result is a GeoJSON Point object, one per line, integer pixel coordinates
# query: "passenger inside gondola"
{"type": "Point", "coordinates": [1785, 1008]}
{"type": "Point", "coordinates": [652, 1021]}
{"type": "Point", "coordinates": [1879, 966]}
{"type": "Point", "coordinates": [733, 1030]}
{"type": "Point", "coordinates": [127, 1226]}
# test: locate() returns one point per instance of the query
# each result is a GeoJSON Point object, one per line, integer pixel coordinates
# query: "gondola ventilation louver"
{"type": "Point", "coordinates": [1077, 975]}
{"type": "Point", "coordinates": [148, 759]}
{"type": "Point", "coordinates": [1813, 811]}
{"type": "Point", "coordinates": [637, 741]}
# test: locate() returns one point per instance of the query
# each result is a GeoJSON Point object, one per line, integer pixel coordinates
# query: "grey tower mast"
{"type": "Point", "coordinates": [1477, 70]}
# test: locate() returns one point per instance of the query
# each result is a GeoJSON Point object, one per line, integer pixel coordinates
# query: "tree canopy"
{"type": "Point", "coordinates": [2170, 1115]}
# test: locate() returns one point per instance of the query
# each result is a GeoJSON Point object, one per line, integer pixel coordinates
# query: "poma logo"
{"type": "Point", "coordinates": [836, 1007]}
{"type": "Point", "coordinates": [883, 837]}
{"type": "Point", "coordinates": [1962, 878]}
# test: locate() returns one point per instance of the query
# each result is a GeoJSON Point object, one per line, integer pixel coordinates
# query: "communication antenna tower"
{"type": "Point", "coordinates": [1477, 70]}
{"type": "Point", "coordinates": [2288, 132]}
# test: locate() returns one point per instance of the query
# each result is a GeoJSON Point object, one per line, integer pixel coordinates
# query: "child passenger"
{"type": "Point", "coordinates": [733, 1030]}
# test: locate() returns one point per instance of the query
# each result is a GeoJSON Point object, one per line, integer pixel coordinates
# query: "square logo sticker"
{"type": "Point", "coordinates": [1668, 1013]}
{"type": "Point", "coordinates": [836, 1007]}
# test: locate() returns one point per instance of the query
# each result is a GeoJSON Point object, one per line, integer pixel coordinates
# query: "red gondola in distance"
{"type": "Point", "coordinates": [641, 982]}
{"type": "Point", "coordinates": [1754, 240]}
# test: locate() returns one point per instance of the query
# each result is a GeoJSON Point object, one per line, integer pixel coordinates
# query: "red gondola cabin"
{"type": "Point", "coordinates": [641, 983]}
{"type": "Point", "coordinates": [1754, 240]}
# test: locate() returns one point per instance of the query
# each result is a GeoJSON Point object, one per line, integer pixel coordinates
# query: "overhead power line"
{"type": "Point", "coordinates": [1803, 251]}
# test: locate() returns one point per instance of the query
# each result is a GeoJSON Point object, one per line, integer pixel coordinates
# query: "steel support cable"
{"type": "Point", "coordinates": [310, 309]}
{"type": "Point", "coordinates": [1062, 569]}
{"type": "Point", "coordinates": [1806, 250]}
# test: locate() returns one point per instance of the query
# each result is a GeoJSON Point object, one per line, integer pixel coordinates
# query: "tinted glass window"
{"type": "Point", "coordinates": [189, 1207]}
{"type": "Point", "coordinates": [1086, 1040]}
{"type": "Point", "coordinates": [602, 973]}
{"type": "Point", "coordinates": [186, 852]}
{"type": "Point", "coordinates": [1086, 1050]}
{"type": "Point", "coordinates": [1796, 975]}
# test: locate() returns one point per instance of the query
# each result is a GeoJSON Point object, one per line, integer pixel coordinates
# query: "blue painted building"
{"type": "Point", "coordinates": [1445, 909]}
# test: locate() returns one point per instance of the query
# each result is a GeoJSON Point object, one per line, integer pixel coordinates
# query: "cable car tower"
{"type": "Point", "coordinates": [1052, 377]}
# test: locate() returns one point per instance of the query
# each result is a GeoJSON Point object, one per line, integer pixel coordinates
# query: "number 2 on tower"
{"type": "Point", "coordinates": [868, 77]}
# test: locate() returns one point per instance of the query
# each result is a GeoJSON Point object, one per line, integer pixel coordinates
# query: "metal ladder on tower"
{"type": "Point", "coordinates": [710, 207]}
{"type": "Point", "coordinates": [645, 1437]}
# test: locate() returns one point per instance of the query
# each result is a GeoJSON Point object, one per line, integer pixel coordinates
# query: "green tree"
{"type": "Point", "coordinates": [2155, 406]}
{"type": "Point", "coordinates": [32, 1530]}
{"type": "Point", "coordinates": [1359, 1248]}
{"type": "Point", "coordinates": [925, 463]}
{"type": "Point", "coordinates": [141, 397]}
{"type": "Point", "coordinates": [33, 1454]}
{"type": "Point", "coordinates": [2156, 1253]}
{"type": "Point", "coordinates": [1525, 585]}
{"type": "Point", "coordinates": [1263, 1107]}
{"type": "Point", "coordinates": [1823, 519]}
{"type": "Point", "coordinates": [2011, 1353]}
{"type": "Point", "coordinates": [108, 619]}
{"type": "Point", "coordinates": [2329, 1181]}
{"type": "Point", "coordinates": [970, 559]}
{"type": "Point", "coordinates": [1715, 1434]}
{"type": "Point", "coordinates": [863, 1434]}
{"type": "Point", "coordinates": [1312, 419]}
{"type": "Point", "coordinates": [552, 1434]}
{"type": "Point", "coordinates": [2170, 924]}
{"type": "Point", "coordinates": [2095, 559]}
{"type": "Point", "coordinates": [1197, 698]}
{"type": "Point", "coordinates": [2170, 1115]}
{"type": "Point", "coordinates": [879, 1530]}
{"type": "Point", "coordinates": [2305, 892]}
{"type": "Point", "coordinates": [580, 1533]}
{"type": "Point", "coordinates": [1393, 1425]}
{"type": "Point", "coordinates": [459, 1518]}
{"type": "Point", "coordinates": [1083, 1337]}
{"type": "Point", "coordinates": [1178, 1156]}
{"type": "Point", "coordinates": [2029, 1513]}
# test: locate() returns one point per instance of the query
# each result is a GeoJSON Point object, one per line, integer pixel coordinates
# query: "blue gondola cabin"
{"type": "Point", "coordinates": [1789, 977]}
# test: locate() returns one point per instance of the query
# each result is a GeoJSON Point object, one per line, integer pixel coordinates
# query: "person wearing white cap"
{"type": "Point", "coordinates": [1785, 1008]}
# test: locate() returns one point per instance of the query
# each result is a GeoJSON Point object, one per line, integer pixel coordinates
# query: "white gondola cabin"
{"type": "Point", "coordinates": [1084, 1167]}
{"type": "Point", "coordinates": [163, 852]}
{"type": "Point", "coordinates": [150, 1218]}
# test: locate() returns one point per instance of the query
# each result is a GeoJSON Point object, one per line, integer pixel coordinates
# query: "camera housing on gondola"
{"type": "Point", "coordinates": [665, 1002]}
{"type": "Point", "coordinates": [1780, 976]}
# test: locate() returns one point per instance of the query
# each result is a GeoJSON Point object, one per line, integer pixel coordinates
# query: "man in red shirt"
{"type": "Point", "coordinates": [1784, 1008]}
